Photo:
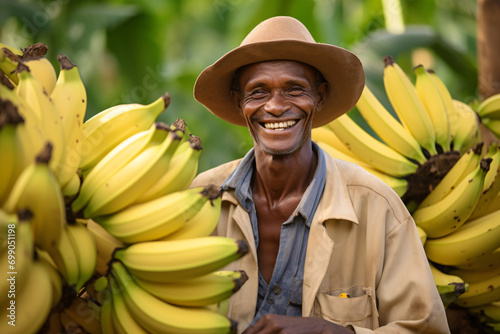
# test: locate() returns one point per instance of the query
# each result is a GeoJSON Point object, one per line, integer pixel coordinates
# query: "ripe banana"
{"type": "Point", "coordinates": [467, 132]}
{"type": "Point", "coordinates": [70, 102]}
{"type": "Point", "coordinates": [82, 314]}
{"type": "Point", "coordinates": [448, 214]}
{"type": "Point", "coordinates": [399, 185]}
{"type": "Point", "coordinates": [85, 250]}
{"type": "Point", "coordinates": [467, 163]}
{"type": "Point", "coordinates": [34, 311]}
{"type": "Point", "coordinates": [156, 218]}
{"type": "Point", "coordinates": [481, 292]}
{"type": "Point", "coordinates": [449, 286]}
{"type": "Point", "coordinates": [408, 106]}
{"type": "Point", "coordinates": [133, 179]}
{"type": "Point", "coordinates": [110, 164]}
{"type": "Point", "coordinates": [71, 189]}
{"type": "Point", "coordinates": [181, 171]}
{"type": "Point", "coordinates": [105, 246]}
{"type": "Point", "coordinates": [203, 223]}
{"type": "Point", "coordinates": [488, 313]}
{"type": "Point", "coordinates": [200, 291]}
{"type": "Point", "coordinates": [104, 131]}
{"type": "Point", "coordinates": [168, 261]}
{"type": "Point", "coordinates": [55, 277]}
{"type": "Point", "coordinates": [369, 149]}
{"type": "Point", "coordinates": [325, 135]}
{"type": "Point", "coordinates": [484, 261]}
{"type": "Point", "coordinates": [17, 253]}
{"type": "Point", "coordinates": [490, 107]}
{"type": "Point", "coordinates": [123, 321]}
{"type": "Point", "coordinates": [106, 317]}
{"type": "Point", "coordinates": [37, 189]}
{"type": "Point", "coordinates": [387, 127]}
{"type": "Point", "coordinates": [158, 316]}
{"type": "Point", "coordinates": [422, 235]}
{"type": "Point", "coordinates": [30, 132]}
{"type": "Point", "coordinates": [491, 189]}
{"type": "Point", "coordinates": [66, 259]}
{"type": "Point", "coordinates": [472, 239]}
{"type": "Point", "coordinates": [430, 95]}
{"type": "Point", "coordinates": [32, 91]}
{"type": "Point", "coordinates": [40, 67]}
{"type": "Point", "coordinates": [11, 150]}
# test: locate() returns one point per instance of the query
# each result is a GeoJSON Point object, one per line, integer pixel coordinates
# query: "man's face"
{"type": "Point", "coordinates": [278, 100]}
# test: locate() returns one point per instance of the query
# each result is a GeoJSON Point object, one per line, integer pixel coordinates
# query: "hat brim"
{"type": "Point", "coordinates": [340, 67]}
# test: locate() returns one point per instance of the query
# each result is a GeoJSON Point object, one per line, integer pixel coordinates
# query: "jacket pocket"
{"type": "Point", "coordinates": [356, 309]}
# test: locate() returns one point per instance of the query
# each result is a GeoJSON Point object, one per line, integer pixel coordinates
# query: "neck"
{"type": "Point", "coordinates": [279, 176]}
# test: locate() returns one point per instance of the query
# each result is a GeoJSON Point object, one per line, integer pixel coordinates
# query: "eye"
{"type": "Point", "coordinates": [258, 93]}
{"type": "Point", "coordinates": [296, 90]}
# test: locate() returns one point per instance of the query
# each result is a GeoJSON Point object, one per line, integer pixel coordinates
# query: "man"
{"type": "Point", "coordinates": [333, 249]}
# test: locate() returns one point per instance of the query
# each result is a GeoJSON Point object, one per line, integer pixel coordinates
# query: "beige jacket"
{"type": "Point", "coordinates": [362, 241]}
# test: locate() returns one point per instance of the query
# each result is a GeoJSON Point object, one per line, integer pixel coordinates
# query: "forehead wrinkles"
{"type": "Point", "coordinates": [292, 72]}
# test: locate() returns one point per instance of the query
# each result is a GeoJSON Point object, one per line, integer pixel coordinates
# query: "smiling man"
{"type": "Point", "coordinates": [333, 249]}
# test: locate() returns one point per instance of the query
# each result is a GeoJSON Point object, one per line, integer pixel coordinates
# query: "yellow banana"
{"type": "Point", "coordinates": [124, 321]}
{"type": "Point", "coordinates": [493, 125]}
{"type": "Point", "coordinates": [106, 317]}
{"type": "Point", "coordinates": [388, 128]}
{"type": "Point", "coordinates": [167, 261]}
{"type": "Point", "coordinates": [490, 107]}
{"type": "Point", "coordinates": [37, 189]}
{"type": "Point", "coordinates": [448, 214]}
{"type": "Point", "coordinates": [203, 223]}
{"type": "Point", "coordinates": [483, 261]}
{"type": "Point", "coordinates": [369, 149]}
{"type": "Point", "coordinates": [408, 106]}
{"type": "Point", "coordinates": [133, 179]}
{"type": "Point", "coordinates": [40, 67]}
{"type": "Point", "coordinates": [102, 133]}
{"type": "Point", "coordinates": [422, 235]}
{"type": "Point", "coordinates": [430, 95]}
{"type": "Point", "coordinates": [71, 189]}
{"type": "Point", "coordinates": [481, 292]}
{"type": "Point", "coordinates": [463, 167]}
{"type": "Point", "coordinates": [472, 239]}
{"type": "Point", "coordinates": [85, 250]}
{"type": "Point", "coordinates": [32, 91]}
{"type": "Point", "coordinates": [324, 134]}
{"type": "Point", "coordinates": [11, 152]}
{"type": "Point", "coordinates": [70, 102]}
{"type": "Point", "coordinates": [66, 259]}
{"type": "Point", "coordinates": [399, 185]}
{"type": "Point", "coordinates": [31, 134]}
{"type": "Point", "coordinates": [105, 245]}
{"type": "Point", "coordinates": [200, 291]}
{"type": "Point", "coordinates": [467, 132]}
{"type": "Point", "coordinates": [32, 303]}
{"type": "Point", "coordinates": [158, 316]}
{"type": "Point", "coordinates": [180, 173]}
{"type": "Point", "coordinates": [156, 218]}
{"type": "Point", "coordinates": [449, 286]}
{"type": "Point", "coordinates": [55, 277]}
{"type": "Point", "coordinates": [110, 164]}
{"type": "Point", "coordinates": [490, 312]}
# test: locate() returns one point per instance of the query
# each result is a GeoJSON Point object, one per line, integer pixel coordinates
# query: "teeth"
{"type": "Point", "coordinates": [280, 125]}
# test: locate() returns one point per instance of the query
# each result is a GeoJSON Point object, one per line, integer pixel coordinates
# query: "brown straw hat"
{"type": "Point", "coordinates": [283, 38]}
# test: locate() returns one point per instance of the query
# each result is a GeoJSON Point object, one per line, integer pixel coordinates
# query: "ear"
{"type": "Point", "coordinates": [323, 91]}
{"type": "Point", "coordinates": [236, 99]}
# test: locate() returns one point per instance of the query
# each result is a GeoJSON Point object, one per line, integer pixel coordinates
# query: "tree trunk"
{"type": "Point", "coordinates": [488, 47]}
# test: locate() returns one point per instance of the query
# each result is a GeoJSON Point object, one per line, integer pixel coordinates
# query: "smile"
{"type": "Point", "coordinates": [279, 126]}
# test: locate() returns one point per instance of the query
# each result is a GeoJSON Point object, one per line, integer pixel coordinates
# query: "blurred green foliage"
{"type": "Point", "coordinates": [133, 51]}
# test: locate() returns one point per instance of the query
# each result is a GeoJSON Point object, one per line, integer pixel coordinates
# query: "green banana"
{"type": "Point", "coordinates": [449, 286]}
{"type": "Point", "coordinates": [490, 107]}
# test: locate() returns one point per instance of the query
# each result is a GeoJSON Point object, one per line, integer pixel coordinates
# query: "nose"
{"type": "Point", "coordinates": [276, 104]}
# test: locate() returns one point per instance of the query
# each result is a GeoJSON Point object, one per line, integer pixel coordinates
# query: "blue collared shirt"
{"type": "Point", "coordinates": [283, 294]}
